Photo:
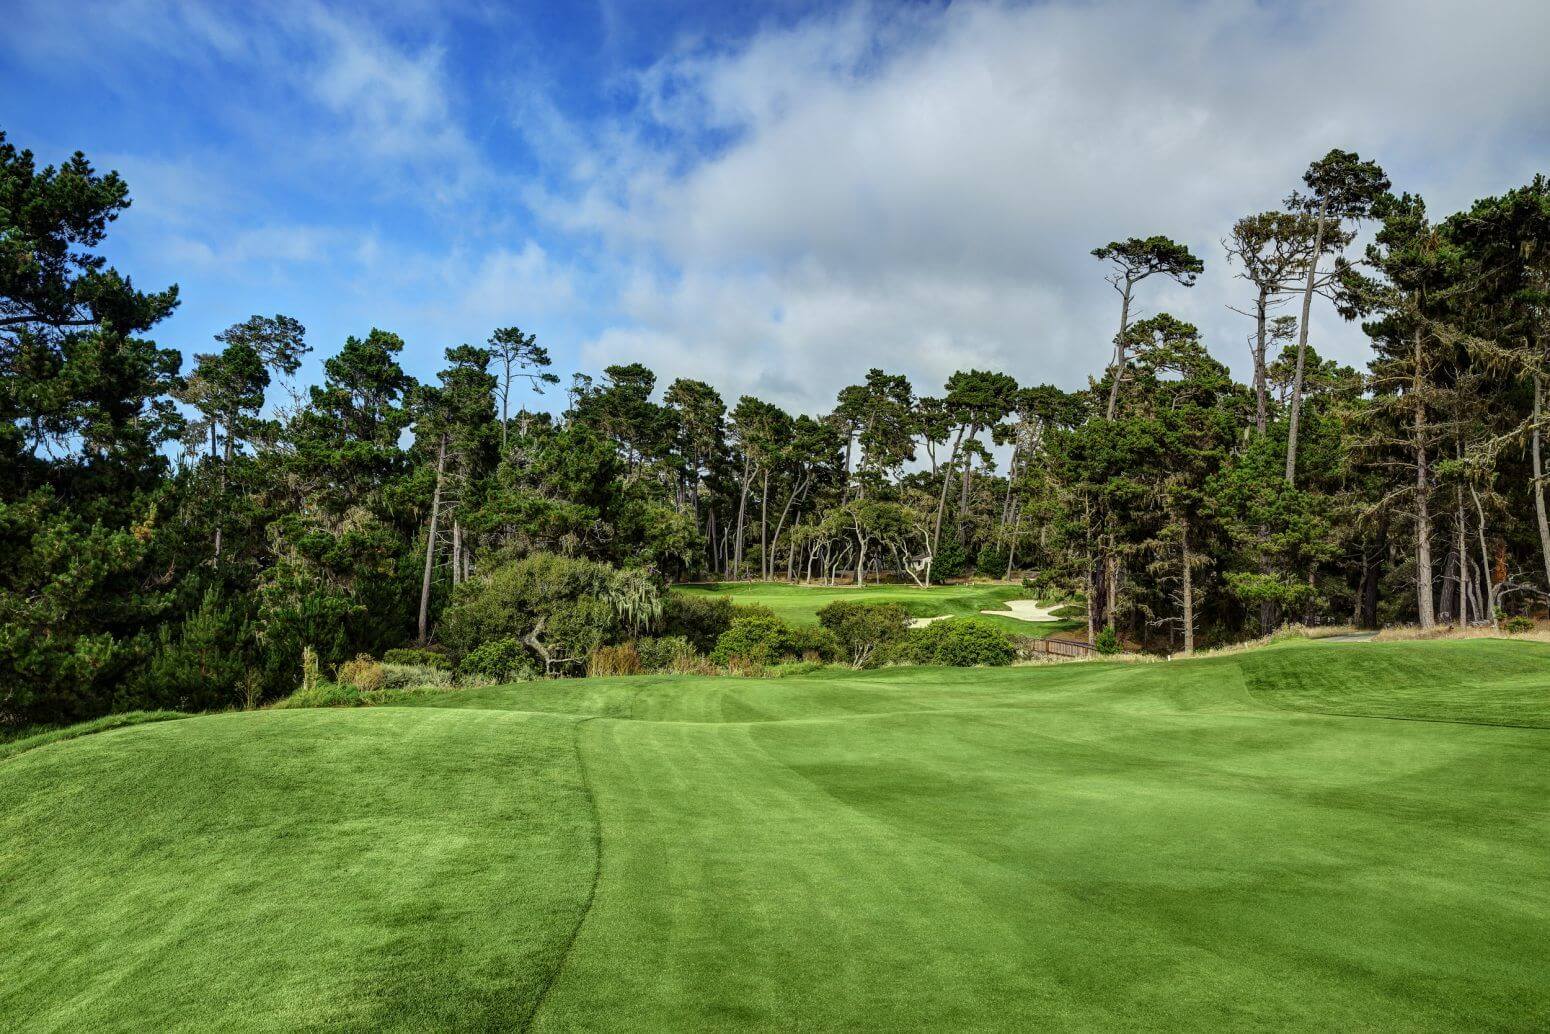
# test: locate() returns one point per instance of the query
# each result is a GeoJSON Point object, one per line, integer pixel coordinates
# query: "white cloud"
{"type": "Point", "coordinates": [920, 192]}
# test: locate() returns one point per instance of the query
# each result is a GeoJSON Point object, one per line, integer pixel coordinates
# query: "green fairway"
{"type": "Point", "coordinates": [1307, 836]}
{"type": "Point", "coordinates": [799, 604]}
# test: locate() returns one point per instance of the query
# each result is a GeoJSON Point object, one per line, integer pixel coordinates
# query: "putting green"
{"type": "Point", "coordinates": [799, 604]}
{"type": "Point", "coordinates": [1308, 836]}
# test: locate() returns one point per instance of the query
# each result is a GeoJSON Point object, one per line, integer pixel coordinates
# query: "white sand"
{"type": "Point", "coordinates": [1021, 610]}
{"type": "Point", "coordinates": [923, 622]}
{"type": "Point", "coordinates": [1025, 610]}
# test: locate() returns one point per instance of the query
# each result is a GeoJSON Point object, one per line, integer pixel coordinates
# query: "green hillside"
{"type": "Point", "coordinates": [1248, 840]}
{"type": "Point", "coordinates": [800, 604]}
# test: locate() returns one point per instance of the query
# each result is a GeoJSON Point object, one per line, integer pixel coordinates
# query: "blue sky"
{"type": "Point", "coordinates": [770, 196]}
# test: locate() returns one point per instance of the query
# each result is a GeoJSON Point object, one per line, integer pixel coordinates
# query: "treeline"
{"type": "Point", "coordinates": [170, 539]}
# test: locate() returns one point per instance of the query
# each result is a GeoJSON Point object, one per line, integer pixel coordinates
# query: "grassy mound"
{"type": "Point", "coordinates": [1227, 842]}
{"type": "Point", "coordinates": [376, 869]}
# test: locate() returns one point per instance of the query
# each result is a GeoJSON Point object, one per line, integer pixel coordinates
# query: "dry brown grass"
{"type": "Point", "coordinates": [1408, 633]}
{"type": "Point", "coordinates": [614, 660]}
{"type": "Point", "coordinates": [364, 673]}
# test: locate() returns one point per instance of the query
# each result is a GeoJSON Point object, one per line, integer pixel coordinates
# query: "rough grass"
{"type": "Point", "coordinates": [32, 739]}
{"type": "Point", "coordinates": [799, 604]}
{"type": "Point", "coordinates": [1307, 836]}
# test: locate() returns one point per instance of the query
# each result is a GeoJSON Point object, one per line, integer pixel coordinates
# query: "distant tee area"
{"type": "Point", "coordinates": [1311, 836]}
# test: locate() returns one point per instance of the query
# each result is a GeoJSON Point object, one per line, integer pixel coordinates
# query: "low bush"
{"type": "Point", "coordinates": [958, 643]}
{"type": "Point", "coordinates": [408, 676]}
{"type": "Point", "coordinates": [362, 673]}
{"type": "Point", "coordinates": [791, 668]}
{"type": "Point", "coordinates": [699, 619]}
{"type": "Point", "coordinates": [412, 657]}
{"type": "Point", "coordinates": [324, 694]}
{"type": "Point", "coordinates": [666, 653]}
{"type": "Point", "coordinates": [754, 639]}
{"type": "Point", "coordinates": [864, 633]}
{"type": "Point", "coordinates": [1518, 625]}
{"type": "Point", "coordinates": [1106, 642]}
{"type": "Point", "coordinates": [501, 660]}
{"type": "Point", "coordinates": [614, 660]}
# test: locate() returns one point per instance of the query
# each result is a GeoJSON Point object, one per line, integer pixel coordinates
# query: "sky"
{"type": "Point", "coordinates": [774, 197]}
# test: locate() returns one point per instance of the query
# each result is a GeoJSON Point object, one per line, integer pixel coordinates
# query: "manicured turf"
{"type": "Point", "coordinates": [1246, 841]}
{"type": "Point", "coordinates": [799, 604]}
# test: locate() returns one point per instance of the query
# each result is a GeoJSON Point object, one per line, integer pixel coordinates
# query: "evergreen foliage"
{"type": "Point", "coordinates": [174, 538]}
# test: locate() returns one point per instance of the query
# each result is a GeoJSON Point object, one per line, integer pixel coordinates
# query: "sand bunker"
{"type": "Point", "coordinates": [1025, 610]}
{"type": "Point", "coordinates": [923, 622]}
{"type": "Point", "coordinates": [1022, 610]}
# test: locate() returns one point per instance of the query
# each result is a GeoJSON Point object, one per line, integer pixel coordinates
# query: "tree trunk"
{"type": "Point", "coordinates": [505, 401]}
{"type": "Point", "coordinates": [764, 527]}
{"type": "Point", "coordinates": [1011, 479]}
{"type": "Point", "coordinates": [1189, 589]}
{"type": "Point", "coordinates": [850, 440]}
{"type": "Point", "coordinates": [1119, 349]}
{"type": "Point", "coordinates": [1261, 372]}
{"type": "Point", "coordinates": [791, 550]}
{"type": "Point", "coordinates": [1448, 592]}
{"type": "Point", "coordinates": [941, 503]}
{"type": "Point", "coordinates": [1111, 576]}
{"type": "Point", "coordinates": [1539, 475]}
{"type": "Point", "coordinates": [742, 509]}
{"type": "Point", "coordinates": [1463, 551]}
{"type": "Point", "coordinates": [457, 552]}
{"type": "Point", "coordinates": [796, 496]}
{"type": "Point", "coordinates": [430, 545]}
{"type": "Point", "coordinates": [1092, 603]}
{"type": "Point", "coordinates": [216, 561]}
{"type": "Point", "coordinates": [968, 468]}
{"type": "Point", "coordinates": [1302, 349]}
{"type": "Point", "coordinates": [1423, 519]}
{"type": "Point", "coordinates": [1011, 549]}
{"type": "Point", "coordinates": [1485, 563]}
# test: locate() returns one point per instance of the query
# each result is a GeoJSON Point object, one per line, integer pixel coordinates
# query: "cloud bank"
{"type": "Point", "coordinates": [921, 191]}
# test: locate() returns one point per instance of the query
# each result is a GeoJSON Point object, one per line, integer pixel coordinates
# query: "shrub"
{"type": "Point", "coordinates": [863, 633]}
{"type": "Point", "coordinates": [950, 561]}
{"type": "Point", "coordinates": [991, 561]}
{"type": "Point", "coordinates": [504, 660]}
{"type": "Point", "coordinates": [1518, 625]}
{"type": "Point", "coordinates": [409, 676]}
{"type": "Point", "coordinates": [666, 653]}
{"type": "Point", "coordinates": [958, 643]}
{"type": "Point", "coordinates": [417, 658]}
{"type": "Point", "coordinates": [323, 694]}
{"type": "Point", "coordinates": [362, 673]}
{"type": "Point", "coordinates": [753, 639]}
{"type": "Point", "coordinates": [699, 619]}
{"type": "Point", "coordinates": [1106, 642]}
{"type": "Point", "coordinates": [614, 660]}
{"type": "Point", "coordinates": [569, 606]}
{"type": "Point", "coordinates": [814, 644]}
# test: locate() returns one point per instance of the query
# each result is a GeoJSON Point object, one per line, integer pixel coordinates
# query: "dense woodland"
{"type": "Point", "coordinates": [182, 530]}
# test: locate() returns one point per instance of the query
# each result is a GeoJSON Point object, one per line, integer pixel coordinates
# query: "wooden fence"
{"type": "Point", "coordinates": [1062, 647]}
